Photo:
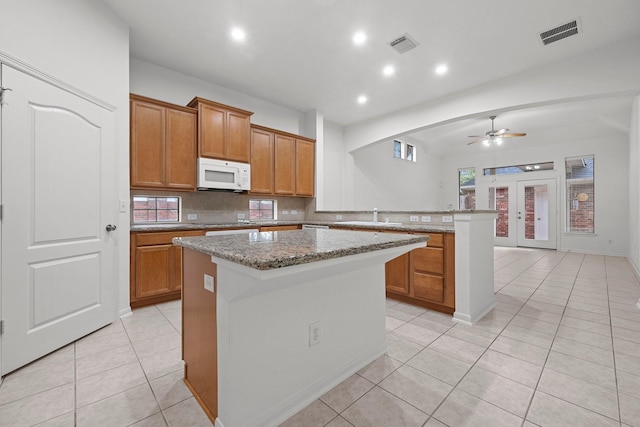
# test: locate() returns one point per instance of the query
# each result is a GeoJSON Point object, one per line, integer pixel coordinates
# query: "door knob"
{"type": "Point", "coordinates": [111, 227]}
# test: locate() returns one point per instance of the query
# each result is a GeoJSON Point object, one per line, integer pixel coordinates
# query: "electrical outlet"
{"type": "Point", "coordinates": [314, 334]}
{"type": "Point", "coordinates": [413, 218]}
{"type": "Point", "coordinates": [208, 282]}
{"type": "Point", "coordinates": [426, 218]}
{"type": "Point", "coordinates": [338, 217]}
{"type": "Point", "coordinates": [294, 212]}
{"type": "Point", "coordinates": [447, 218]}
{"type": "Point", "coordinates": [240, 216]}
{"type": "Point", "coordinates": [285, 212]}
{"type": "Point", "coordinates": [192, 216]}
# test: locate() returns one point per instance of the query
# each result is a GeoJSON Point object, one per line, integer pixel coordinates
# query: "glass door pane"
{"type": "Point", "coordinates": [536, 214]}
{"type": "Point", "coordinates": [499, 200]}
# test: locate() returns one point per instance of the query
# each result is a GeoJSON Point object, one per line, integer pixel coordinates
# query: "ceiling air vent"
{"type": "Point", "coordinates": [403, 43]}
{"type": "Point", "coordinates": [560, 32]}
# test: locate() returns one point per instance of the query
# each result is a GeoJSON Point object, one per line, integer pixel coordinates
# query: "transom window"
{"type": "Point", "coordinates": [156, 209]}
{"type": "Point", "coordinates": [403, 150]}
{"type": "Point", "coordinates": [528, 168]}
{"type": "Point", "coordinates": [262, 209]}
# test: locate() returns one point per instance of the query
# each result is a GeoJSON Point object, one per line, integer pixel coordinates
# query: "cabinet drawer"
{"type": "Point", "coordinates": [164, 237]}
{"type": "Point", "coordinates": [428, 287]}
{"type": "Point", "coordinates": [436, 239]}
{"type": "Point", "coordinates": [428, 259]}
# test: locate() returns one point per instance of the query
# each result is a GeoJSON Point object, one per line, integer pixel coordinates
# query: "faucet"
{"type": "Point", "coordinates": [375, 214]}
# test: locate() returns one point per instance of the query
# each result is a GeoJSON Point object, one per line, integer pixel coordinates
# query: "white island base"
{"type": "Point", "coordinates": [266, 366]}
{"type": "Point", "coordinates": [475, 295]}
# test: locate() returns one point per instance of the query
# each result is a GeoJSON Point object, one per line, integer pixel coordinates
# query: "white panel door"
{"type": "Point", "coordinates": [59, 264]}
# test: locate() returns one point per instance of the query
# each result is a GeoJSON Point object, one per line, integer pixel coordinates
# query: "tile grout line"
{"type": "Point", "coordinates": [535, 389]}
{"type": "Point", "coordinates": [613, 347]}
{"type": "Point", "coordinates": [454, 387]}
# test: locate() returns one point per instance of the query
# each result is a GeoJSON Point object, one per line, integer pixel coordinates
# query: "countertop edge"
{"type": "Point", "coordinates": [195, 243]}
{"type": "Point", "coordinates": [190, 226]}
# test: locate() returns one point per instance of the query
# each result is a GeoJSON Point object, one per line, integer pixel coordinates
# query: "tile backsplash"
{"type": "Point", "coordinates": [211, 207]}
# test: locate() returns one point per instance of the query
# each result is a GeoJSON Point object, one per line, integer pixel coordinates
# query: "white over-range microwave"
{"type": "Point", "coordinates": [214, 174]}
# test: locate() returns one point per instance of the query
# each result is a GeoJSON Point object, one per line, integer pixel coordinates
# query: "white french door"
{"type": "Point", "coordinates": [526, 213]}
{"type": "Point", "coordinates": [536, 213]}
{"type": "Point", "coordinates": [58, 187]}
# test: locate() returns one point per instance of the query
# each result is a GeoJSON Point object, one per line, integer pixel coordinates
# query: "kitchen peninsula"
{"type": "Point", "coordinates": [272, 320]}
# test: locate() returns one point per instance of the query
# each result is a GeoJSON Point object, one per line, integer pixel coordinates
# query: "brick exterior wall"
{"type": "Point", "coordinates": [529, 212]}
{"type": "Point", "coordinates": [502, 206]}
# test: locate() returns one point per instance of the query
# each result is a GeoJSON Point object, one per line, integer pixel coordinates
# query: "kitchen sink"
{"type": "Point", "coordinates": [369, 223]}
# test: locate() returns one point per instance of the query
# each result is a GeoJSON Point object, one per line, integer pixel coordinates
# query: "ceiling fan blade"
{"type": "Point", "coordinates": [500, 132]}
{"type": "Point", "coordinates": [480, 138]}
{"type": "Point", "coordinates": [509, 135]}
{"type": "Point", "coordinates": [477, 136]}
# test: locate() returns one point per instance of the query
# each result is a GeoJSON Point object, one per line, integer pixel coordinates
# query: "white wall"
{"type": "Point", "coordinates": [168, 85]}
{"type": "Point", "coordinates": [610, 70]}
{"type": "Point", "coordinates": [387, 183]}
{"type": "Point", "coordinates": [611, 182]}
{"type": "Point", "coordinates": [84, 44]}
{"type": "Point", "coordinates": [334, 174]}
{"type": "Point", "coordinates": [634, 187]}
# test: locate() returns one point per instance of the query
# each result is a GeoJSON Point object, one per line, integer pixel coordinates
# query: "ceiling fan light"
{"type": "Point", "coordinates": [499, 141]}
{"type": "Point", "coordinates": [485, 142]}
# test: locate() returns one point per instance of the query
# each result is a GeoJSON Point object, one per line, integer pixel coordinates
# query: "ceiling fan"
{"type": "Point", "coordinates": [493, 135]}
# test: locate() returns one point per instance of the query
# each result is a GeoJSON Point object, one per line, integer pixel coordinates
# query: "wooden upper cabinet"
{"type": "Point", "coordinates": [238, 137]}
{"type": "Point", "coordinates": [261, 161]}
{"type": "Point", "coordinates": [224, 132]}
{"type": "Point", "coordinates": [305, 167]}
{"type": "Point", "coordinates": [282, 164]}
{"type": "Point", "coordinates": [147, 144]}
{"type": "Point", "coordinates": [162, 144]}
{"type": "Point", "coordinates": [285, 165]}
{"type": "Point", "coordinates": [211, 127]}
{"type": "Point", "coordinates": [180, 146]}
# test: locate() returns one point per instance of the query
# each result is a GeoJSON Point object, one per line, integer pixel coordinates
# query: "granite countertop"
{"type": "Point", "coordinates": [276, 249]}
{"type": "Point", "coordinates": [405, 227]}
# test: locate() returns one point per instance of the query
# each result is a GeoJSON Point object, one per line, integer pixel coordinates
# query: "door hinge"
{"type": "Point", "coordinates": [1, 327]}
{"type": "Point", "coordinates": [2, 92]}
{"type": "Point", "coordinates": [1, 212]}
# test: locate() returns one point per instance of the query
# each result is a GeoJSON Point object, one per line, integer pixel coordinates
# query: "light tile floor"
{"type": "Point", "coordinates": [562, 348]}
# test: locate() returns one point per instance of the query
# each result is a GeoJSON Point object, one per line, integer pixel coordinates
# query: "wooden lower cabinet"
{"type": "Point", "coordinates": [156, 266]}
{"type": "Point", "coordinates": [425, 276]}
{"type": "Point", "coordinates": [397, 275]}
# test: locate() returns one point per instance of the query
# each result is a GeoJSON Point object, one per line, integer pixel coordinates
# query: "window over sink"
{"type": "Point", "coordinates": [262, 209]}
{"type": "Point", "coordinates": [150, 209]}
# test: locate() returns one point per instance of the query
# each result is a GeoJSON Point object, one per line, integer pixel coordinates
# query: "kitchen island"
{"type": "Point", "coordinates": [273, 320]}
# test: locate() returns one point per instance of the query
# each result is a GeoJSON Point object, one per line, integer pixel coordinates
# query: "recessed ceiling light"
{"type": "Point", "coordinates": [362, 99]}
{"type": "Point", "coordinates": [238, 34]}
{"type": "Point", "coordinates": [388, 70]}
{"type": "Point", "coordinates": [441, 69]}
{"type": "Point", "coordinates": [359, 38]}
